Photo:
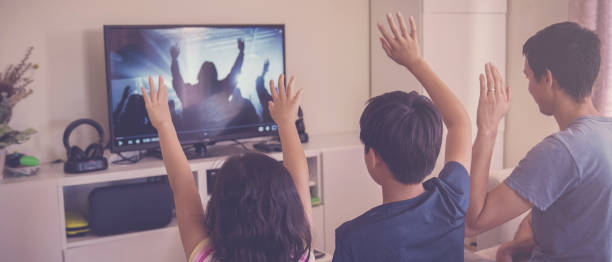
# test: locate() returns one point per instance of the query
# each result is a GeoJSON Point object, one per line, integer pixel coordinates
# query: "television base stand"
{"type": "Point", "coordinates": [268, 146]}
{"type": "Point", "coordinates": [196, 151]}
{"type": "Point", "coordinates": [193, 151]}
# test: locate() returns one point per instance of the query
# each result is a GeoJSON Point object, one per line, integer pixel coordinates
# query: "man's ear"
{"type": "Point", "coordinates": [549, 80]}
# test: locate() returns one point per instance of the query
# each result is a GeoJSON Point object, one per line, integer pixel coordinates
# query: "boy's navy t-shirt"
{"type": "Point", "coordinates": [429, 227]}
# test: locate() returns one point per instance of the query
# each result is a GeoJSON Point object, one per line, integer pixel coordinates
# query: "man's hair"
{"type": "Point", "coordinates": [406, 131]}
{"type": "Point", "coordinates": [570, 52]}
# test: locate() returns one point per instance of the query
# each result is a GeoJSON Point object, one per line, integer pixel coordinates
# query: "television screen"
{"type": "Point", "coordinates": [217, 78]}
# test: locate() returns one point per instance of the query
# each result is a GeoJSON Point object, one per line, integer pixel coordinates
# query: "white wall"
{"type": "Point", "coordinates": [525, 125]}
{"type": "Point", "coordinates": [327, 49]}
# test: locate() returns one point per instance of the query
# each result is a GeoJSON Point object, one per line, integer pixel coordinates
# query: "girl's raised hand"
{"type": "Point", "coordinates": [156, 103]}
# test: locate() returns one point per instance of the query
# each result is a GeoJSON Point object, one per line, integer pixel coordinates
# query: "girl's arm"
{"type": "Point", "coordinates": [284, 108]}
{"type": "Point", "coordinates": [189, 210]}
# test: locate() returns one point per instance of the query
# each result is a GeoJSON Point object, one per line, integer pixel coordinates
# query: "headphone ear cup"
{"type": "Point", "coordinates": [94, 151]}
{"type": "Point", "coordinates": [76, 154]}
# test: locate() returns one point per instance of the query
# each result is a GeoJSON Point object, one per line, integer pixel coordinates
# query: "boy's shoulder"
{"type": "Point", "coordinates": [355, 225]}
{"type": "Point", "coordinates": [453, 178]}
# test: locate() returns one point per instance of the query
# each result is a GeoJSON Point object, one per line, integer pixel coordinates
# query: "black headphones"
{"type": "Point", "coordinates": [89, 160]}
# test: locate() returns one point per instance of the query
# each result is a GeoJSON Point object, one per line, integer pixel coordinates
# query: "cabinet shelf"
{"type": "Point", "coordinates": [92, 239]}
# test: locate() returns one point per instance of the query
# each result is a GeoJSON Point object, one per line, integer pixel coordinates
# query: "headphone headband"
{"type": "Point", "coordinates": [79, 122]}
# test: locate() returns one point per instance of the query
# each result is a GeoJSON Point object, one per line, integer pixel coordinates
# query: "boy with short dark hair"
{"type": "Point", "coordinates": [402, 135]}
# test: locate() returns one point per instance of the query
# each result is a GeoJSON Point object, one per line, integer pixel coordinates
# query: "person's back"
{"type": "Point", "coordinates": [402, 136]}
{"type": "Point", "coordinates": [429, 227]}
{"type": "Point", "coordinates": [577, 168]}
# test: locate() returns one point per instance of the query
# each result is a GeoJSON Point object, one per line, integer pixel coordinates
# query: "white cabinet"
{"type": "Point", "coordinates": [29, 221]}
{"type": "Point", "coordinates": [160, 245]}
{"type": "Point", "coordinates": [348, 189]}
{"type": "Point", "coordinates": [32, 222]}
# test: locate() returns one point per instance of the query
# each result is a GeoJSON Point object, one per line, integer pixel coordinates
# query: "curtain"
{"type": "Point", "coordinates": [597, 16]}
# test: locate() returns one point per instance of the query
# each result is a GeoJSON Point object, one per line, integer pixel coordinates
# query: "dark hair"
{"type": "Point", "coordinates": [255, 212]}
{"type": "Point", "coordinates": [570, 52]}
{"type": "Point", "coordinates": [406, 130]}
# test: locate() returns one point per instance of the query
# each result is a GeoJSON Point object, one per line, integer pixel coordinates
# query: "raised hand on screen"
{"type": "Point", "coordinates": [400, 45]}
{"type": "Point", "coordinates": [156, 103]}
{"type": "Point", "coordinates": [126, 92]}
{"type": "Point", "coordinates": [266, 66]}
{"type": "Point", "coordinates": [241, 44]}
{"type": "Point", "coordinates": [285, 102]}
{"type": "Point", "coordinates": [174, 51]}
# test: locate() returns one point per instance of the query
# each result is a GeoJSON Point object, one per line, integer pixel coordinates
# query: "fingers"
{"type": "Point", "coordinates": [508, 96]}
{"type": "Point", "coordinates": [499, 87]}
{"type": "Point", "coordinates": [152, 89]}
{"type": "Point", "coordinates": [146, 96]}
{"type": "Point", "coordinates": [163, 89]}
{"type": "Point", "coordinates": [402, 24]}
{"type": "Point", "coordinates": [290, 87]}
{"type": "Point", "coordinates": [497, 84]}
{"type": "Point", "coordinates": [413, 29]}
{"type": "Point", "coordinates": [385, 46]}
{"type": "Point", "coordinates": [490, 79]}
{"type": "Point", "coordinates": [273, 90]}
{"type": "Point", "coordinates": [388, 37]}
{"type": "Point", "coordinates": [281, 86]}
{"type": "Point", "coordinates": [483, 87]}
{"type": "Point", "coordinates": [284, 93]}
{"type": "Point", "coordinates": [270, 106]}
{"type": "Point", "coordinates": [393, 26]}
{"type": "Point", "coordinates": [298, 96]}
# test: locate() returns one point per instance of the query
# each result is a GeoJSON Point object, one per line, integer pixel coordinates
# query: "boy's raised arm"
{"type": "Point", "coordinates": [402, 46]}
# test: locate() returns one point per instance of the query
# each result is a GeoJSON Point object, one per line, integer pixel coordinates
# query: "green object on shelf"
{"type": "Point", "coordinates": [315, 201]}
{"type": "Point", "coordinates": [28, 161]}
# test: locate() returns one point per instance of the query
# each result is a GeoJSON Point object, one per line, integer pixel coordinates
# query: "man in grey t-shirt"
{"type": "Point", "coordinates": [566, 178]}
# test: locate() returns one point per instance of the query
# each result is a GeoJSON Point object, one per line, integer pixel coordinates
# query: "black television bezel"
{"type": "Point", "coordinates": [206, 140]}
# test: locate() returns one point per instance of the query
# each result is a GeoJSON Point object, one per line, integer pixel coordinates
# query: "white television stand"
{"type": "Point", "coordinates": [32, 209]}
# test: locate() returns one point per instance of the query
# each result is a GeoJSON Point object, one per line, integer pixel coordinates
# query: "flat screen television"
{"type": "Point", "coordinates": [217, 78]}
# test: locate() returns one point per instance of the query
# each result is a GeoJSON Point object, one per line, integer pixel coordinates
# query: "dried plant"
{"type": "Point", "coordinates": [9, 136]}
{"type": "Point", "coordinates": [13, 88]}
{"type": "Point", "coordinates": [13, 83]}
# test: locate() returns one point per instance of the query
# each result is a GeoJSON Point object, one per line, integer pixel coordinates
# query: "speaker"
{"type": "Point", "coordinates": [301, 127]}
{"type": "Point", "coordinates": [131, 207]}
{"type": "Point", "coordinates": [90, 159]}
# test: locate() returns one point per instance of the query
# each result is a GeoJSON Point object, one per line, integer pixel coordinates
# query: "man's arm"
{"type": "Point", "coordinates": [402, 47]}
{"type": "Point", "coordinates": [177, 79]}
{"type": "Point", "coordinates": [283, 108]}
{"type": "Point", "coordinates": [117, 111]}
{"type": "Point", "coordinates": [231, 81]}
{"type": "Point", "coordinates": [263, 95]}
{"type": "Point", "coordinates": [189, 210]}
{"type": "Point", "coordinates": [490, 209]}
{"type": "Point", "coordinates": [521, 247]}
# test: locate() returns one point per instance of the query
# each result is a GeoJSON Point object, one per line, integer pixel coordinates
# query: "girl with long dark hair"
{"type": "Point", "coordinates": [259, 209]}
